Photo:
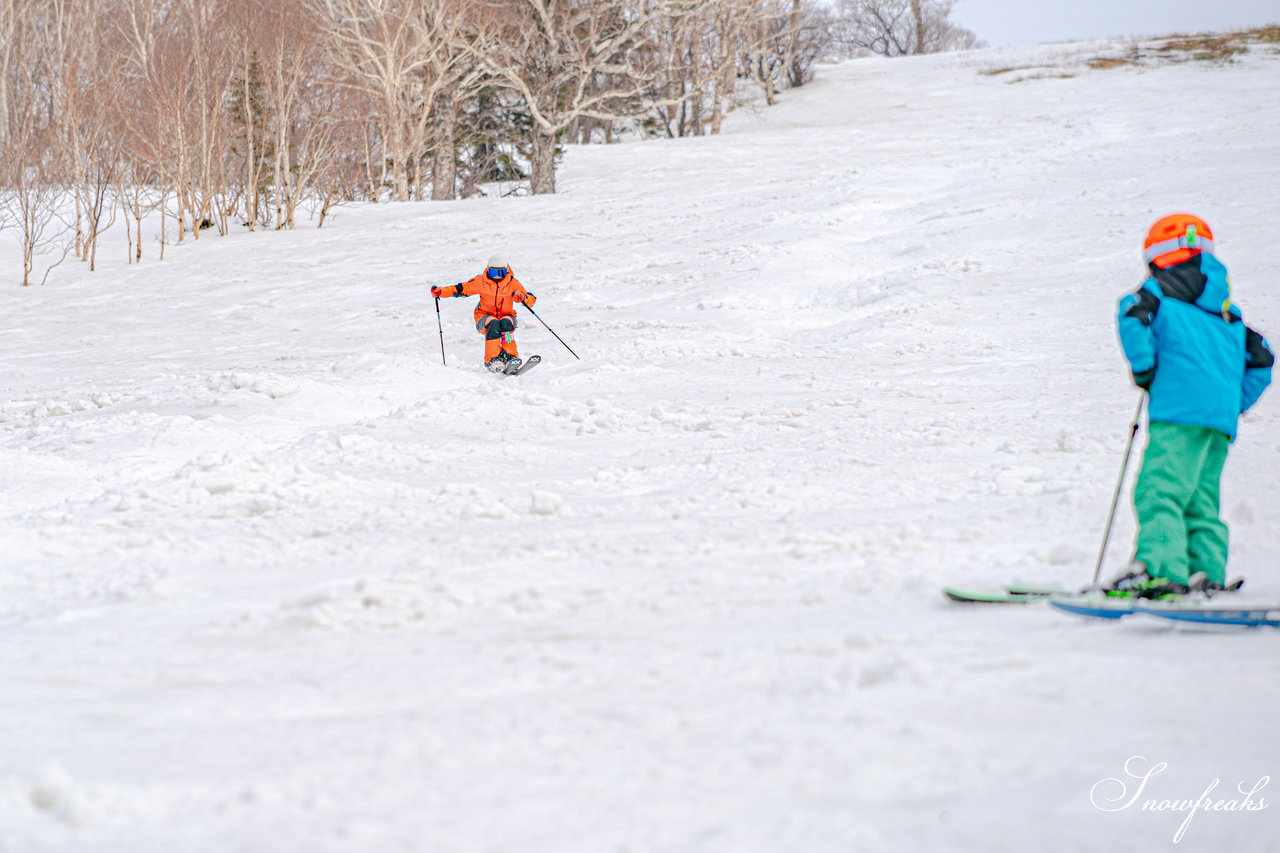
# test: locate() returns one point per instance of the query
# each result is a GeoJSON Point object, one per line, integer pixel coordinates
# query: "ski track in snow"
{"type": "Point", "coordinates": [273, 578]}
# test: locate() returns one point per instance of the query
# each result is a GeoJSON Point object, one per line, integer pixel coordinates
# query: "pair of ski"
{"type": "Point", "coordinates": [516, 366]}
{"type": "Point", "coordinates": [1178, 610]}
{"type": "Point", "coordinates": [1096, 605]}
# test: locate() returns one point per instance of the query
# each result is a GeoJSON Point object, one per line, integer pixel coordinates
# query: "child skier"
{"type": "Point", "coordinates": [1190, 351]}
{"type": "Point", "coordinates": [495, 316]}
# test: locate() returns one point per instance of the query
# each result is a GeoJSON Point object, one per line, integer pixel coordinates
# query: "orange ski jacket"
{"type": "Point", "coordinates": [497, 298]}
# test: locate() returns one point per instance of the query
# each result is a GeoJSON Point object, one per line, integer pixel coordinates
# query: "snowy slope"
{"type": "Point", "coordinates": [273, 578]}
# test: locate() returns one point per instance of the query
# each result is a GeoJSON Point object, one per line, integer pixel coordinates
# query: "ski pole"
{"type": "Point", "coordinates": [440, 325]}
{"type": "Point", "coordinates": [1115, 499]}
{"type": "Point", "coordinates": [552, 331]}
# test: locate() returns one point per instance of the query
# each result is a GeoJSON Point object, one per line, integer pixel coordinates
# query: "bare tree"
{"type": "Point", "coordinates": [767, 45]}
{"type": "Point", "coordinates": [67, 43]}
{"type": "Point", "coordinates": [730, 28]}
{"type": "Point", "coordinates": [573, 58]}
{"type": "Point", "coordinates": [780, 41]}
{"type": "Point", "coordinates": [211, 67]}
{"type": "Point", "coordinates": [696, 54]}
{"type": "Point", "coordinates": [733, 40]}
{"type": "Point", "coordinates": [250, 111]}
{"type": "Point", "coordinates": [313, 154]}
{"type": "Point", "coordinates": [444, 143]}
{"type": "Point", "coordinates": [450, 75]}
{"type": "Point", "coordinates": [899, 27]}
{"type": "Point", "coordinates": [290, 47]}
{"type": "Point", "coordinates": [31, 193]}
{"type": "Point", "coordinates": [137, 198]}
{"type": "Point", "coordinates": [876, 26]}
{"type": "Point", "coordinates": [185, 107]}
{"type": "Point", "coordinates": [809, 40]}
{"type": "Point", "coordinates": [917, 16]}
{"type": "Point", "coordinates": [385, 47]}
{"type": "Point", "coordinates": [103, 155]}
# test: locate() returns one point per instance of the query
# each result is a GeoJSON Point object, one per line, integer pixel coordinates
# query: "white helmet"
{"type": "Point", "coordinates": [498, 262]}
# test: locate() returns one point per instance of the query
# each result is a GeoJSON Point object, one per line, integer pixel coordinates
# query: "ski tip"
{"type": "Point", "coordinates": [985, 596]}
{"type": "Point", "coordinates": [531, 361]}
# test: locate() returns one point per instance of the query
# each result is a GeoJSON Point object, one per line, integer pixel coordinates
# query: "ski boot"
{"type": "Point", "coordinates": [1199, 582]}
{"type": "Point", "coordinates": [1138, 583]}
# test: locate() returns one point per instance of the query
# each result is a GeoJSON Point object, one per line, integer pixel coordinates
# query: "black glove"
{"type": "Point", "coordinates": [1143, 379]}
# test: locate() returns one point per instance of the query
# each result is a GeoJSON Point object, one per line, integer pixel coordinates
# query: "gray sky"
{"type": "Point", "coordinates": [1003, 22]}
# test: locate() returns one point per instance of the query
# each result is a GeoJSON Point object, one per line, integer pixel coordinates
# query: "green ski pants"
{"type": "Point", "coordinates": [1176, 499]}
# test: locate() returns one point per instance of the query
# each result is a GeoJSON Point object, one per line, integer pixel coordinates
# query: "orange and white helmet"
{"type": "Point", "coordinates": [1176, 238]}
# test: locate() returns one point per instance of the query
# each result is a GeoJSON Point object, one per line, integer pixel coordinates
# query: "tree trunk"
{"type": "Point", "coordinates": [721, 89]}
{"type": "Point", "coordinates": [917, 13]}
{"type": "Point", "coordinates": [444, 165]}
{"type": "Point", "coordinates": [8, 24]}
{"type": "Point", "coordinates": [543, 162]}
{"type": "Point", "coordinates": [128, 229]}
{"type": "Point", "coordinates": [765, 79]}
{"type": "Point", "coordinates": [28, 244]}
{"type": "Point", "coordinates": [372, 183]}
{"type": "Point", "coordinates": [280, 179]}
{"type": "Point", "coordinates": [79, 206]}
{"type": "Point", "coordinates": [399, 150]}
{"type": "Point", "coordinates": [330, 197]}
{"type": "Point", "coordinates": [695, 111]}
{"type": "Point", "coordinates": [795, 76]}
{"type": "Point", "coordinates": [251, 153]}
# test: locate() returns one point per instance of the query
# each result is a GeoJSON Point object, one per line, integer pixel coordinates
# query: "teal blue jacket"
{"type": "Point", "coordinates": [1188, 345]}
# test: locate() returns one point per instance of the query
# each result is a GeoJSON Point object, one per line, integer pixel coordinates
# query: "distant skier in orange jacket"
{"type": "Point", "coordinates": [499, 290]}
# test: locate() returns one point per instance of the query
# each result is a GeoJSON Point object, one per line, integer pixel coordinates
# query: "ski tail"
{"type": "Point", "coordinates": [1095, 607]}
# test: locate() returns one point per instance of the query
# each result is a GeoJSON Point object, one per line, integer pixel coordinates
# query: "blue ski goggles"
{"type": "Point", "coordinates": [496, 273]}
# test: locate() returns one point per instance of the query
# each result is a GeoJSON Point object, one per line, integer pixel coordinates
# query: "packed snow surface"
{"type": "Point", "coordinates": [274, 578]}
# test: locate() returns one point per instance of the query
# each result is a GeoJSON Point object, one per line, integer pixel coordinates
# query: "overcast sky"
{"type": "Point", "coordinates": [1003, 22]}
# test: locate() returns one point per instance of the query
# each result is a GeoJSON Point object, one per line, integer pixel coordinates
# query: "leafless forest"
{"type": "Point", "coordinates": [224, 114]}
